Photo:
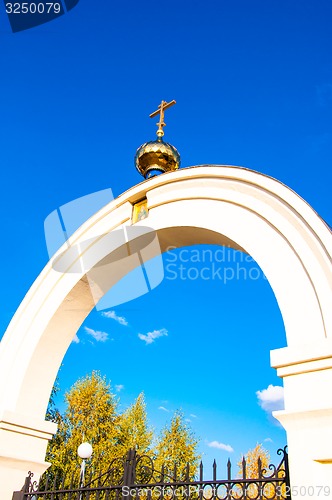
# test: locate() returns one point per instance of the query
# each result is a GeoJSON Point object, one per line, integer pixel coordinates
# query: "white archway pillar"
{"type": "Point", "coordinates": [207, 204]}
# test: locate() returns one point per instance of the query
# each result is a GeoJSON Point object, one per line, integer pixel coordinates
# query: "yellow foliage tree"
{"type": "Point", "coordinates": [133, 431]}
{"type": "Point", "coordinates": [177, 446]}
{"type": "Point", "coordinates": [90, 416]}
{"type": "Point", "coordinates": [251, 459]}
{"type": "Point", "coordinates": [253, 471]}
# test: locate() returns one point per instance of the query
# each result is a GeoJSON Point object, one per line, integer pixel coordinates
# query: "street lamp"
{"type": "Point", "coordinates": [84, 451]}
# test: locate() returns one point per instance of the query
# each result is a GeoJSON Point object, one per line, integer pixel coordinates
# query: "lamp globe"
{"type": "Point", "coordinates": [84, 451]}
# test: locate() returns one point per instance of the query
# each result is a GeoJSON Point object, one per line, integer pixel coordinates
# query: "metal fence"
{"type": "Point", "coordinates": [135, 477]}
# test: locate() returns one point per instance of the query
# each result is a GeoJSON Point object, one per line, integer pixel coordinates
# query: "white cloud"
{"type": "Point", "coordinates": [163, 408]}
{"type": "Point", "coordinates": [221, 446]}
{"type": "Point", "coordinates": [268, 440]}
{"type": "Point", "coordinates": [97, 335]}
{"type": "Point", "coordinates": [113, 315]}
{"type": "Point", "coordinates": [271, 399]}
{"type": "Point", "coordinates": [119, 387]}
{"type": "Point", "coordinates": [152, 336]}
{"type": "Point", "coordinates": [193, 415]}
{"type": "Point", "coordinates": [76, 340]}
{"type": "Point", "coordinates": [187, 420]}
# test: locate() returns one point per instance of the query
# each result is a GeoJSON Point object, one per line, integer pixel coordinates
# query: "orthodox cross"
{"type": "Point", "coordinates": [160, 111]}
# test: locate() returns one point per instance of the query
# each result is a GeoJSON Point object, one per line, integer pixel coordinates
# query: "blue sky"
{"type": "Point", "coordinates": [253, 84]}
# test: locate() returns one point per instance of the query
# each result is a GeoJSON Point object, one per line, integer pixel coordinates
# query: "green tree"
{"type": "Point", "coordinates": [133, 431]}
{"type": "Point", "coordinates": [90, 416]}
{"type": "Point", "coordinates": [177, 446]}
{"type": "Point", "coordinates": [52, 413]}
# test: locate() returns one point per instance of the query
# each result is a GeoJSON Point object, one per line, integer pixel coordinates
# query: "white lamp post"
{"type": "Point", "coordinates": [84, 451]}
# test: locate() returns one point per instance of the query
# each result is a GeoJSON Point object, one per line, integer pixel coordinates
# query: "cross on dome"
{"type": "Point", "coordinates": [160, 111]}
{"type": "Point", "coordinates": [157, 157]}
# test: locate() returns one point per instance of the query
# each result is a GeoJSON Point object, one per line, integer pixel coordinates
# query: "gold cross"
{"type": "Point", "coordinates": [160, 111]}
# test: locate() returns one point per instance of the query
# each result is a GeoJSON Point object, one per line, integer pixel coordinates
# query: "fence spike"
{"type": "Point", "coordinates": [72, 481]}
{"type": "Point", "coordinates": [99, 477]}
{"type": "Point", "coordinates": [229, 469]}
{"type": "Point", "coordinates": [244, 471]}
{"type": "Point", "coordinates": [201, 471]}
{"type": "Point", "coordinates": [214, 468]}
{"type": "Point", "coordinates": [259, 463]}
{"type": "Point", "coordinates": [187, 472]}
{"type": "Point", "coordinates": [46, 483]}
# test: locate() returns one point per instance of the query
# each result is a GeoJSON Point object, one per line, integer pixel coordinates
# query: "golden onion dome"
{"type": "Point", "coordinates": [156, 157]}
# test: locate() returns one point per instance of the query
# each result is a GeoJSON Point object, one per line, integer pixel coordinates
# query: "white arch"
{"type": "Point", "coordinates": [232, 205]}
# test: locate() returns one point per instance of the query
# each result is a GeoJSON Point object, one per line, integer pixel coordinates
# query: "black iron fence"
{"type": "Point", "coordinates": [135, 477]}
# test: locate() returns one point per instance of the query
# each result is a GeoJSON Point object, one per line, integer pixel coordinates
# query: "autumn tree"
{"type": "Point", "coordinates": [252, 459]}
{"type": "Point", "coordinates": [90, 416]}
{"type": "Point", "coordinates": [133, 431]}
{"type": "Point", "coordinates": [177, 447]}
